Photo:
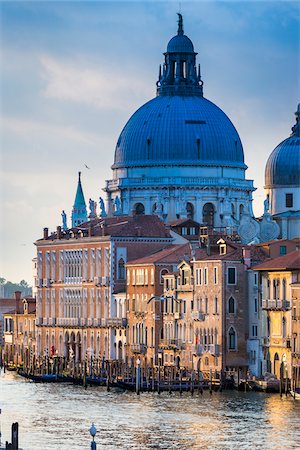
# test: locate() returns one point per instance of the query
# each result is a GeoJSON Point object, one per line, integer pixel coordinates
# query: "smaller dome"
{"type": "Point", "coordinates": [283, 165]}
{"type": "Point", "coordinates": [180, 44]}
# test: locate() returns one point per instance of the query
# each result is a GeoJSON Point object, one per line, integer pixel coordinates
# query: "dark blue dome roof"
{"type": "Point", "coordinates": [283, 165]}
{"type": "Point", "coordinates": [180, 130]}
{"type": "Point", "coordinates": [180, 44]}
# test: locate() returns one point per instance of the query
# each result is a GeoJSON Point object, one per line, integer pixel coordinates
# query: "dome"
{"type": "Point", "coordinates": [179, 130]}
{"type": "Point", "coordinates": [180, 44]}
{"type": "Point", "coordinates": [283, 165]}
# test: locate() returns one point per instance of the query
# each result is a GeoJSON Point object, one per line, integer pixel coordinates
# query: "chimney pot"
{"type": "Point", "coordinates": [46, 233]}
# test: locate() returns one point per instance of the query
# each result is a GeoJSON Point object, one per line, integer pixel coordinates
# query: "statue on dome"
{"type": "Point", "coordinates": [93, 207]}
{"type": "Point", "coordinates": [118, 207]}
{"type": "Point", "coordinates": [159, 207]}
{"type": "Point", "coordinates": [267, 205]}
{"type": "Point", "coordinates": [102, 207]}
{"type": "Point", "coordinates": [64, 220]}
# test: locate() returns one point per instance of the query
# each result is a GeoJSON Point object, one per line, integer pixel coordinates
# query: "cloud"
{"type": "Point", "coordinates": [27, 127]}
{"type": "Point", "coordinates": [77, 82]}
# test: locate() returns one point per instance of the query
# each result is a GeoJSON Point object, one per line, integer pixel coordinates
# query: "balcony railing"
{"type": "Point", "coordinates": [116, 322]}
{"type": "Point", "coordinates": [175, 344]}
{"type": "Point", "coordinates": [273, 304]}
{"type": "Point", "coordinates": [198, 349]}
{"type": "Point", "coordinates": [198, 316]}
{"type": "Point", "coordinates": [139, 348]}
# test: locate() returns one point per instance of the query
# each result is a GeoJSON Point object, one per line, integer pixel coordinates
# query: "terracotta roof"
{"type": "Point", "coordinates": [234, 253]}
{"type": "Point", "coordinates": [175, 223]}
{"type": "Point", "coordinates": [123, 226]}
{"type": "Point", "coordinates": [172, 254]}
{"type": "Point", "coordinates": [278, 241]}
{"type": "Point", "coordinates": [291, 261]}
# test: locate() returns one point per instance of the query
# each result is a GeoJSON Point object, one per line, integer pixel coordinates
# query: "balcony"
{"type": "Point", "coordinates": [139, 348]}
{"type": "Point", "coordinates": [198, 316]}
{"type": "Point", "coordinates": [198, 349]}
{"type": "Point", "coordinates": [184, 287]}
{"type": "Point", "coordinates": [214, 349]}
{"type": "Point", "coordinates": [116, 322]}
{"type": "Point", "coordinates": [172, 344]}
{"type": "Point", "coordinates": [177, 315]}
{"type": "Point", "coordinates": [68, 322]}
{"type": "Point", "coordinates": [276, 305]}
{"type": "Point", "coordinates": [39, 321]}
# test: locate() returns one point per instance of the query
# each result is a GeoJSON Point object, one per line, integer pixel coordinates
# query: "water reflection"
{"type": "Point", "coordinates": [55, 416]}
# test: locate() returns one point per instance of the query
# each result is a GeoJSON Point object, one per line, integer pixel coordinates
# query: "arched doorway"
{"type": "Point", "coordinates": [177, 362]}
{"type": "Point", "coordinates": [120, 351]}
{"type": "Point", "coordinates": [190, 210]}
{"type": "Point", "coordinates": [208, 214]}
{"type": "Point", "coordinates": [139, 209]}
{"type": "Point", "coordinates": [276, 366]}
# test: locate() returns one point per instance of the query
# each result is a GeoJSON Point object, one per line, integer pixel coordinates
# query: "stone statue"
{"type": "Point", "coordinates": [266, 205]}
{"type": "Point", "coordinates": [93, 207]}
{"type": "Point", "coordinates": [64, 220]}
{"type": "Point", "coordinates": [159, 207]}
{"type": "Point", "coordinates": [117, 203]}
{"type": "Point", "coordinates": [102, 207]}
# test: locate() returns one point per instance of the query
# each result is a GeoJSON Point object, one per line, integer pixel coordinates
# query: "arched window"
{"type": "Point", "coordinates": [284, 327]}
{"type": "Point", "coordinates": [139, 209]}
{"type": "Point", "coordinates": [121, 269]}
{"type": "Point", "coordinates": [190, 210]}
{"type": "Point", "coordinates": [284, 289]}
{"type": "Point", "coordinates": [206, 361]}
{"type": "Point", "coordinates": [208, 214]}
{"type": "Point", "coordinates": [231, 306]}
{"type": "Point", "coordinates": [241, 210]}
{"type": "Point", "coordinates": [232, 339]}
{"type": "Point", "coordinates": [163, 272]}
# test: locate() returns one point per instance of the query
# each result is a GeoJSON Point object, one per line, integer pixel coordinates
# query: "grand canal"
{"type": "Point", "coordinates": [58, 416]}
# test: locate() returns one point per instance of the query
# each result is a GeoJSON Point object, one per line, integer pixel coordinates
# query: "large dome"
{"type": "Point", "coordinates": [179, 130]}
{"type": "Point", "coordinates": [283, 165]}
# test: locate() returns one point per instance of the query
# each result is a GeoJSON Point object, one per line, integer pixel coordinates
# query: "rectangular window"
{"type": "Point", "coordinates": [198, 277]}
{"type": "Point", "coordinates": [255, 279]}
{"type": "Point", "coordinates": [216, 305]}
{"type": "Point", "coordinates": [205, 275]}
{"type": "Point", "coordinates": [255, 305]}
{"type": "Point", "coordinates": [289, 200]}
{"type": "Point", "coordinates": [254, 330]}
{"type": "Point", "coordinates": [215, 275]}
{"type": "Point", "coordinates": [192, 305]}
{"type": "Point", "coordinates": [231, 275]}
{"type": "Point", "coordinates": [282, 250]}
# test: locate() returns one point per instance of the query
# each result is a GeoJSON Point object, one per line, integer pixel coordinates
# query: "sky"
{"type": "Point", "coordinates": [72, 74]}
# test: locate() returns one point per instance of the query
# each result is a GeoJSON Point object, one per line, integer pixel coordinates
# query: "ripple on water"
{"type": "Point", "coordinates": [55, 416]}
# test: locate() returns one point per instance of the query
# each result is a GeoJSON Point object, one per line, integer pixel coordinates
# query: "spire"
{"type": "Point", "coordinates": [179, 75]}
{"type": "Point", "coordinates": [79, 213]}
{"type": "Point", "coordinates": [180, 24]}
{"type": "Point", "coordinates": [296, 127]}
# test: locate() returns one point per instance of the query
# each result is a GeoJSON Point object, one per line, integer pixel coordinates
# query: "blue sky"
{"type": "Point", "coordinates": [74, 72]}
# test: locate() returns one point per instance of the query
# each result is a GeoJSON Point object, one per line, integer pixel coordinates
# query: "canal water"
{"type": "Point", "coordinates": [58, 417]}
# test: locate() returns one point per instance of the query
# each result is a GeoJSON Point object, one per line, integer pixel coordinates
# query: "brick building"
{"type": "Point", "coordinates": [81, 283]}
{"type": "Point", "coordinates": [146, 302]}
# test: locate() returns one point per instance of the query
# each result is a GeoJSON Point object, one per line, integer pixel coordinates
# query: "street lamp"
{"type": "Point", "coordinates": [93, 432]}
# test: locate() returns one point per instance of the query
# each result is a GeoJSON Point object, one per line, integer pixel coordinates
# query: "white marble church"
{"type": "Point", "coordinates": [180, 156]}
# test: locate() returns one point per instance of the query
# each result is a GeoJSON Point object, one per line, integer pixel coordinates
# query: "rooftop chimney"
{"type": "Point", "coordinates": [46, 233]}
{"type": "Point", "coordinates": [58, 231]}
{"type": "Point", "coordinates": [247, 257]}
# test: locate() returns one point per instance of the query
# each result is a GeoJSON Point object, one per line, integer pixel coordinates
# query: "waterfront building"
{"type": "Point", "coordinates": [6, 305]}
{"type": "Point", "coordinates": [207, 314]}
{"type": "Point", "coordinates": [295, 288]}
{"type": "Point", "coordinates": [282, 183]}
{"type": "Point", "coordinates": [179, 155]}
{"type": "Point", "coordinates": [278, 276]}
{"type": "Point", "coordinates": [146, 304]}
{"type": "Point", "coordinates": [19, 331]}
{"type": "Point", "coordinates": [81, 284]}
